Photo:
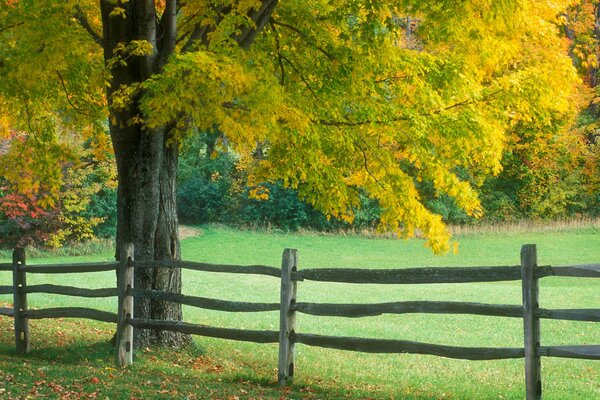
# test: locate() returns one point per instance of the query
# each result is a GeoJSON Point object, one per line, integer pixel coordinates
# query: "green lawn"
{"type": "Point", "coordinates": [73, 354]}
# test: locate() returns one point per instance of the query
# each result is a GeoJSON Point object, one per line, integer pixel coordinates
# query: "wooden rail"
{"type": "Point", "coordinates": [71, 312]}
{"type": "Point", "coordinates": [410, 275]}
{"type": "Point", "coordinates": [367, 345]}
{"type": "Point", "coordinates": [203, 302]}
{"type": "Point", "coordinates": [9, 312]}
{"type": "Point", "coordinates": [578, 271]}
{"type": "Point", "coordinates": [71, 268]}
{"type": "Point", "coordinates": [582, 352]}
{"type": "Point", "coordinates": [408, 307]}
{"type": "Point", "coordinates": [205, 267]}
{"type": "Point", "coordinates": [203, 330]}
{"type": "Point", "coordinates": [72, 291]}
{"type": "Point", "coordinates": [529, 310]}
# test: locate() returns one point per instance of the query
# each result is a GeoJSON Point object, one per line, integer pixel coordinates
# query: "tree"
{"type": "Point", "coordinates": [31, 212]}
{"type": "Point", "coordinates": [343, 97]}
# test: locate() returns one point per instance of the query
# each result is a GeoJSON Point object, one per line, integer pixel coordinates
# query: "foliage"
{"type": "Point", "coordinates": [33, 213]}
{"type": "Point", "coordinates": [549, 165]}
{"type": "Point", "coordinates": [212, 188]}
{"type": "Point", "coordinates": [204, 181]}
{"type": "Point", "coordinates": [346, 98]}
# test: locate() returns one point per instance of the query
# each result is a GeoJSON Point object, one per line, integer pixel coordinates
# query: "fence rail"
{"type": "Point", "coordinates": [71, 291]}
{"type": "Point", "coordinates": [577, 271]}
{"type": "Point", "coordinates": [9, 312]}
{"type": "Point", "coordinates": [528, 273]}
{"type": "Point", "coordinates": [408, 307]}
{"type": "Point", "coordinates": [367, 345]}
{"type": "Point", "coordinates": [203, 302]}
{"type": "Point", "coordinates": [71, 312]}
{"type": "Point", "coordinates": [70, 268]}
{"type": "Point", "coordinates": [203, 330]}
{"type": "Point", "coordinates": [197, 266]}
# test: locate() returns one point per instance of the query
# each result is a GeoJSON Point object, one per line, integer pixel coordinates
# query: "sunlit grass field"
{"type": "Point", "coordinates": [74, 354]}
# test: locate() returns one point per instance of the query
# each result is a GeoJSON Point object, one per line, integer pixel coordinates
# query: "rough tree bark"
{"type": "Point", "coordinates": [146, 164]}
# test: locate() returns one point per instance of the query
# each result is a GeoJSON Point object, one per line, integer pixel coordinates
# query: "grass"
{"type": "Point", "coordinates": [72, 358]}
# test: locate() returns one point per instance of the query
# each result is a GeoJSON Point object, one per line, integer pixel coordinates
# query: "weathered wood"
{"type": "Point", "coordinates": [581, 352]}
{"type": "Point", "coordinates": [440, 307]}
{"type": "Point", "coordinates": [531, 323]}
{"type": "Point", "coordinates": [72, 291]}
{"type": "Point", "coordinates": [204, 302]}
{"type": "Point", "coordinates": [197, 266]}
{"type": "Point", "coordinates": [20, 301]}
{"type": "Point", "coordinates": [366, 345]}
{"type": "Point", "coordinates": [9, 312]}
{"type": "Point", "coordinates": [124, 329]}
{"type": "Point", "coordinates": [579, 271]}
{"type": "Point", "coordinates": [72, 312]}
{"type": "Point", "coordinates": [6, 290]}
{"type": "Point", "coordinates": [407, 307]}
{"type": "Point", "coordinates": [287, 316]}
{"type": "Point", "coordinates": [5, 267]}
{"type": "Point", "coordinates": [71, 268]}
{"type": "Point", "coordinates": [592, 315]}
{"type": "Point", "coordinates": [209, 331]}
{"type": "Point", "coordinates": [411, 275]}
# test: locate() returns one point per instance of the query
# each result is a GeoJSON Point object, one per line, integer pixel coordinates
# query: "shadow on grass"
{"type": "Point", "coordinates": [163, 374]}
{"type": "Point", "coordinates": [70, 354]}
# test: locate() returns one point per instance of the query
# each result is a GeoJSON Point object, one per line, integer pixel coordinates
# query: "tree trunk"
{"type": "Point", "coordinates": [146, 173]}
{"type": "Point", "coordinates": [146, 164]}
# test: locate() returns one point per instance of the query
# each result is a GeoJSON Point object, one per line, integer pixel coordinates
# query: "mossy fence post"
{"type": "Point", "coordinates": [287, 316]}
{"type": "Point", "coordinates": [20, 301]}
{"type": "Point", "coordinates": [124, 328]}
{"type": "Point", "coordinates": [531, 322]}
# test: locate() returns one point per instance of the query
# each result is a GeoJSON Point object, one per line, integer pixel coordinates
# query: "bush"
{"type": "Point", "coordinates": [103, 204]}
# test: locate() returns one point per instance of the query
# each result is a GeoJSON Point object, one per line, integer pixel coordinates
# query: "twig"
{"type": "Point", "coordinates": [304, 36]}
{"type": "Point", "coordinates": [85, 24]}
{"type": "Point", "coordinates": [484, 99]}
{"type": "Point", "coordinates": [64, 86]}
{"type": "Point", "coordinates": [5, 28]}
{"type": "Point", "coordinates": [300, 75]}
{"type": "Point", "coordinates": [280, 59]}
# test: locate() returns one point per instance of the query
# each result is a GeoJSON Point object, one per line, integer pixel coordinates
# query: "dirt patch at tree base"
{"type": "Point", "coordinates": [188, 231]}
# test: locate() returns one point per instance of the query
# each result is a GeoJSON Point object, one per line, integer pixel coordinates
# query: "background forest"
{"type": "Point", "coordinates": [550, 170]}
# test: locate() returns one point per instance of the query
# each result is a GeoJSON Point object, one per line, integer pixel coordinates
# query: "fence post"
{"type": "Point", "coordinates": [531, 322]}
{"type": "Point", "coordinates": [287, 317]}
{"type": "Point", "coordinates": [124, 330]}
{"type": "Point", "coordinates": [20, 301]}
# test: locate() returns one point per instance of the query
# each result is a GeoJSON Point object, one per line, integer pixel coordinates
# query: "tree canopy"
{"type": "Point", "coordinates": [340, 96]}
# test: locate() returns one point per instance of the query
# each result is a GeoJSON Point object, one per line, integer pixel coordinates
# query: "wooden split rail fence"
{"type": "Point", "coordinates": [287, 336]}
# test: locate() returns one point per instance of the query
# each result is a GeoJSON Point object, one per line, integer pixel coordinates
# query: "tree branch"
{"type": "Point", "coordinates": [7, 27]}
{"type": "Point", "coordinates": [64, 86]}
{"type": "Point", "coordinates": [279, 57]}
{"type": "Point", "coordinates": [168, 22]}
{"type": "Point", "coordinates": [85, 24]}
{"type": "Point", "coordinates": [305, 37]}
{"type": "Point", "coordinates": [247, 34]}
{"type": "Point", "coordinates": [300, 75]}
{"type": "Point", "coordinates": [366, 164]}
{"type": "Point", "coordinates": [484, 99]}
{"type": "Point", "coordinates": [260, 18]}
{"type": "Point", "coordinates": [198, 34]}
